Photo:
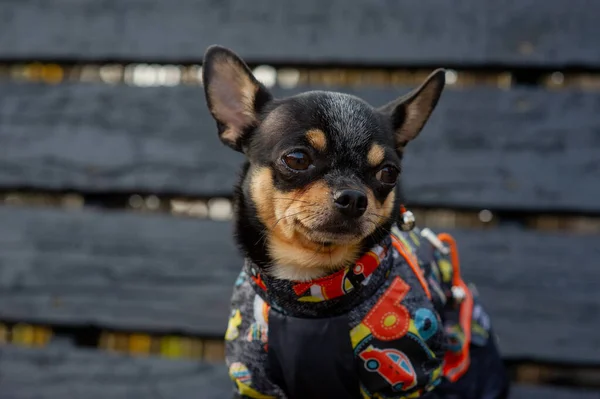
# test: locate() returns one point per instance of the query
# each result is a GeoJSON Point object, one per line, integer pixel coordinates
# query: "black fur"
{"type": "Point", "coordinates": [342, 164]}
{"type": "Point", "coordinates": [351, 126]}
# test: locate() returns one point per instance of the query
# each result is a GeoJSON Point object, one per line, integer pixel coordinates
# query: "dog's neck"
{"type": "Point", "coordinates": [252, 239]}
{"type": "Point", "coordinates": [289, 272]}
{"type": "Point", "coordinates": [331, 295]}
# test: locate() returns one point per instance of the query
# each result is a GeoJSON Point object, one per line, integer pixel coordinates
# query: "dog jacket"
{"type": "Point", "coordinates": [399, 323]}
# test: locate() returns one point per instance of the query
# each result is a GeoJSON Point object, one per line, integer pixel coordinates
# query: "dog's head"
{"type": "Point", "coordinates": [323, 166]}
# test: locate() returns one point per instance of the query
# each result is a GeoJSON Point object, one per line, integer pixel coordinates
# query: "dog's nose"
{"type": "Point", "coordinates": [351, 203]}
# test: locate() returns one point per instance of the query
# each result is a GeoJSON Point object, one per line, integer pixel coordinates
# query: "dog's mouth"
{"type": "Point", "coordinates": [330, 235]}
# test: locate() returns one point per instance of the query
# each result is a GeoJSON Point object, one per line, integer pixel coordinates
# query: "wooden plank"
{"type": "Point", "coordinates": [163, 141]}
{"type": "Point", "coordinates": [523, 149]}
{"type": "Point", "coordinates": [538, 288]}
{"type": "Point", "coordinates": [162, 274]}
{"type": "Point", "coordinates": [542, 392]}
{"type": "Point", "coordinates": [53, 373]}
{"type": "Point", "coordinates": [472, 32]}
{"type": "Point", "coordinates": [120, 270]}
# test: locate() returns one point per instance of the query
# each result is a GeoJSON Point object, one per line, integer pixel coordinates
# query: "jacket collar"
{"type": "Point", "coordinates": [332, 294]}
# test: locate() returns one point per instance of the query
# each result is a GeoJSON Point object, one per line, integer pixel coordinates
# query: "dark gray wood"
{"type": "Point", "coordinates": [87, 374]}
{"type": "Point", "coordinates": [541, 392]}
{"type": "Point", "coordinates": [524, 149]}
{"type": "Point", "coordinates": [50, 373]}
{"type": "Point", "coordinates": [121, 270]}
{"type": "Point", "coordinates": [119, 139]}
{"type": "Point", "coordinates": [161, 274]}
{"type": "Point", "coordinates": [521, 32]}
{"type": "Point", "coordinates": [539, 290]}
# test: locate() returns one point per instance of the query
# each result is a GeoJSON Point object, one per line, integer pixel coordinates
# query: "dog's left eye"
{"type": "Point", "coordinates": [297, 160]}
{"type": "Point", "coordinates": [387, 175]}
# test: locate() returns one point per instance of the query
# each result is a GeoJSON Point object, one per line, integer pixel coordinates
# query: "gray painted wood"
{"type": "Point", "coordinates": [102, 138]}
{"type": "Point", "coordinates": [157, 273]}
{"type": "Point", "coordinates": [540, 392]}
{"type": "Point", "coordinates": [524, 149]}
{"type": "Point", "coordinates": [521, 32]}
{"type": "Point", "coordinates": [539, 290]}
{"type": "Point", "coordinates": [87, 374]}
{"type": "Point", "coordinates": [77, 373]}
{"type": "Point", "coordinates": [121, 270]}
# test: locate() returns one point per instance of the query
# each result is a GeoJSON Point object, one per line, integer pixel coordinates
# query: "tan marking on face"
{"type": "Point", "coordinates": [262, 193]}
{"type": "Point", "coordinates": [317, 139]}
{"type": "Point", "coordinates": [375, 155]}
{"type": "Point", "coordinates": [377, 211]}
{"type": "Point", "coordinates": [287, 216]}
{"type": "Point", "coordinates": [232, 94]}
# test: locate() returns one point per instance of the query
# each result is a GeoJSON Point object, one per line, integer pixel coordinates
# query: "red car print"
{"type": "Point", "coordinates": [392, 365]}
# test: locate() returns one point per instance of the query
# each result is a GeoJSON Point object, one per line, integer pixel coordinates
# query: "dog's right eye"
{"type": "Point", "coordinates": [387, 175]}
{"type": "Point", "coordinates": [297, 160]}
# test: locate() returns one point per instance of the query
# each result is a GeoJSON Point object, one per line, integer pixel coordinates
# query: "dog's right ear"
{"type": "Point", "coordinates": [233, 95]}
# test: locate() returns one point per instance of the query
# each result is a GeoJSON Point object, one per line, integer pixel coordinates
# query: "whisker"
{"type": "Point", "coordinates": [294, 200]}
{"type": "Point", "coordinates": [302, 209]}
{"type": "Point", "coordinates": [377, 214]}
{"type": "Point", "coordinates": [285, 217]}
{"type": "Point", "coordinates": [311, 216]}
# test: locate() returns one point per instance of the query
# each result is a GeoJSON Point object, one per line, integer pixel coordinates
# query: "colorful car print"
{"type": "Point", "coordinates": [392, 365]}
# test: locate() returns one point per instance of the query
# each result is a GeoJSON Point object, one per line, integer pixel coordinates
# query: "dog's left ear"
{"type": "Point", "coordinates": [234, 96]}
{"type": "Point", "coordinates": [409, 113]}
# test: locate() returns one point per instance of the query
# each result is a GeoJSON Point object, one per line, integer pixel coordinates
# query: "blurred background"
{"type": "Point", "coordinates": [116, 257]}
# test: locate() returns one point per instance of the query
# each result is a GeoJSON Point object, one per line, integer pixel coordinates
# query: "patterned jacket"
{"type": "Point", "coordinates": [395, 325]}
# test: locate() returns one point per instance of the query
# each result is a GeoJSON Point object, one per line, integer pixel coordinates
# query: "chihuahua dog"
{"type": "Point", "coordinates": [341, 296]}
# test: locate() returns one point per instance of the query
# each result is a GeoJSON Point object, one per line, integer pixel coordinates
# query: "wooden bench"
{"type": "Point", "coordinates": [78, 373]}
{"type": "Point", "coordinates": [80, 280]}
{"type": "Point", "coordinates": [540, 33]}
